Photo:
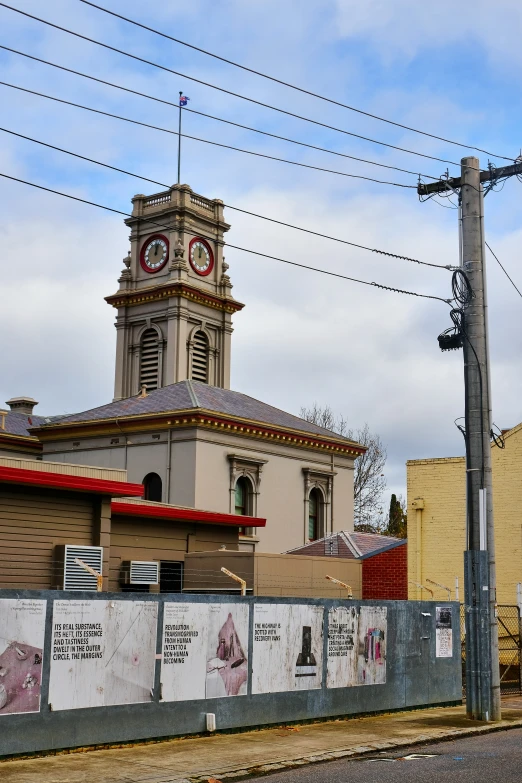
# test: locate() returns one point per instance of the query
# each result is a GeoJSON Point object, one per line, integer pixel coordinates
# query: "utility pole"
{"type": "Point", "coordinates": [482, 660]}
{"type": "Point", "coordinates": [483, 675]}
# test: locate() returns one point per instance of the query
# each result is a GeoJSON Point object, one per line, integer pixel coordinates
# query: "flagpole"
{"type": "Point", "coordinates": [179, 141]}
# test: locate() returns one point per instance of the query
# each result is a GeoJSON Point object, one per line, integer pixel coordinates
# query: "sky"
{"type": "Point", "coordinates": [452, 70]}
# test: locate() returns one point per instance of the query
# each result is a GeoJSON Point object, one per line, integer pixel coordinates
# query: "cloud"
{"type": "Point", "coordinates": [302, 337]}
{"type": "Point", "coordinates": [406, 29]}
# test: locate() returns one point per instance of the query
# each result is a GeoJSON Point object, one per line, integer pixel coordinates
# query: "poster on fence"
{"type": "Point", "coordinates": [356, 646]}
{"type": "Point", "coordinates": [205, 648]}
{"type": "Point", "coordinates": [443, 632]}
{"type": "Point", "coordinates": [102, 653]}
{"type": "Point", "coordinates": [343, 646]}
{"type": "Point", "coordinates": [287, 647]}
{"type": "Point", "coordinates": [22, 634]}
{"type": "Point", "coordinates": [371, 658]}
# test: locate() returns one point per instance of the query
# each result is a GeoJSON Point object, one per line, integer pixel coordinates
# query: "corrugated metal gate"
{"type": "Point", "coordinates": [509, 644]}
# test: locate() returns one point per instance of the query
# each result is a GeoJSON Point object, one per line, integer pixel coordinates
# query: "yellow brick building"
{"type": "Point", "coordinates": [437, 520]}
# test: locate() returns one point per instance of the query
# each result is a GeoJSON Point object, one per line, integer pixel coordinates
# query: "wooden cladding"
{"type": "Point", "coordinates": [148, 539]}
{"type": "Point", "coordinates": [32, 523]}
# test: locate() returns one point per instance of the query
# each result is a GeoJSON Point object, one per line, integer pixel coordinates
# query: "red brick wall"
{"type": "Point", "coordinates": [386, 575]}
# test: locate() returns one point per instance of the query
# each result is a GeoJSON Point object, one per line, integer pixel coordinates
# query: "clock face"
{"type": "Point", "coordinates": [200, 256]}
{"type": "Point", "coordinates": [154, 253]}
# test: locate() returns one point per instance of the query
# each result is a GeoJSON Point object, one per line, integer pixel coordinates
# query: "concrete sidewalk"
{"type": "Point", "coordinates": [233, 756]}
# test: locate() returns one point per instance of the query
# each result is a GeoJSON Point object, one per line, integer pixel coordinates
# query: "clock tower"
{"type": "Point", "coordinates": [174, 302]}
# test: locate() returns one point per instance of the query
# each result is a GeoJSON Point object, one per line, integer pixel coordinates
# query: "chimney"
{"type": "Point", "coordinates": [22, 405]}
{"type": "Point", "coordinates": [3, 414]}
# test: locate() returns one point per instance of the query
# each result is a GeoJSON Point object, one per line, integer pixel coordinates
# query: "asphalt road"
{"type": "Point", "coordinates": [490, 758]}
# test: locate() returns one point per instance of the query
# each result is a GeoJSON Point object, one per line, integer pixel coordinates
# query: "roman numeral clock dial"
{"type": "Point", "coordinates": [201, 257]}
{"type": "Point", "coordinates": [154, 253]}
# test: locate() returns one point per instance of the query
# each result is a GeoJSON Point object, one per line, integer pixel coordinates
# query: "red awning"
{"type": "Point", "coordinates": [42, 478]}
{"type": "Point", "coordinates": [183, 514]}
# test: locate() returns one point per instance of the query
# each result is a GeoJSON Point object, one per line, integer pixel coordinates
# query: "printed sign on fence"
{"type": "Point", "coordinates": [287, 648]}
{"type": "Point", "coordinates": [103, 653]}
{"type": "Point", "coordinates": [443, 632]}
{"type": "Point", "coordinates": [356, 646]}
{"type": "Point", "coordinates": [373, 629]}
{"type": "Point", "coordinates": [205, 649]}
{"type": "Point", "coordinates": [22, 634]}
{"type": "Point", "coordinates": [343, 646]}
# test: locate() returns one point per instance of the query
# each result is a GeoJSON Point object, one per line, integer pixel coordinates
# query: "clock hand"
{"type": "Point", "coordinates": [156, 248]}
{"type": "Point", "coordinates": [199, 248]}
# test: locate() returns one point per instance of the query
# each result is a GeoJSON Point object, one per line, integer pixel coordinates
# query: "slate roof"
{"type": "Point", "coordinates": [194, 395]}
{"type": "Point", "coordinates": [19, 424]}
{"type": "Point", "coordinates": [351, 546]}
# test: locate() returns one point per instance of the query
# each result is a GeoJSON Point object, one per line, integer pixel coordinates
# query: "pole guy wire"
{"type": "Point", "coordinates": [226, 244]}
{"type": "Point", "coordinates": [213, 117]}
{"type": "Point", "coordinates": [222, 89]}
{"type": "Point", "coordinates": [208, 141]}
{"type": "Point", "coordinates": [504, 270]}
{"type": "Point", "coordinates": [228, 206]}
{"type": "Point", "coordinates": [288, 84]}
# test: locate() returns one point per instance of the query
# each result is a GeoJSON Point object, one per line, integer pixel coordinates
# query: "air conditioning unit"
{"type": "Point", "coordinates": [73, 576]}
{"type": "Point", "coordinates": [140, 572]}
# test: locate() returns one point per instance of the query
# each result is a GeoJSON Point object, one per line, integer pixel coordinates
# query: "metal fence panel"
{"type": "Point", "coordinates": [414, 676]}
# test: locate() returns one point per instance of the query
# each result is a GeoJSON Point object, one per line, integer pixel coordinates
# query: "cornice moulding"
{"type": "Point", "coordinates": [200, 418]}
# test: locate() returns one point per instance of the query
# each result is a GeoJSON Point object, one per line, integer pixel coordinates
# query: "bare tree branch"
{"type": "Point", "coordinates": [369, 480]}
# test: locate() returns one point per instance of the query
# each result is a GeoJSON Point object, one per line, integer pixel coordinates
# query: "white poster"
{"type": "Point", "coordinates": [288, 647]}
{"type": "Point", "coordinates": [103, 653]}
{"type": "Point", "coordinates": [371, 663]}
{"type": "Point", "coordinates": [184, 656]}
{"type": "Point", "coordinates": [443, 632]}
{"type": "Point", "coordinates": [343, 647]}
{"type": "Point", "coordinates": [22, 634]}
{"type": "Point", "coordinates": [205, 650]}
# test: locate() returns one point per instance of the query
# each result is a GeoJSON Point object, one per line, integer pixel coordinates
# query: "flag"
{"type": "Point", "coordinates": [183, 100]}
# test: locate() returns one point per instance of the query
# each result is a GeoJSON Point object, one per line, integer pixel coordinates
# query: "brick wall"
{"type": "Point", "coordinates": [386, 575]}
{"type": "Point", "coordinates": [436, 535]}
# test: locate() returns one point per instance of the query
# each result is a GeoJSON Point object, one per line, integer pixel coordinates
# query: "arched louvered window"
{"type": "Point", "coordinates": [149, 360]}
{"type": "Point", "coordinates": [200, 357]}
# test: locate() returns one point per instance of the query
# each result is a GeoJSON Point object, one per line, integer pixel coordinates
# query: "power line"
{"type": "Point", "coordinates": [208, 141]}
{"type": "Point", "coordinates": [213, 117]}
{"type": "Point", "coordinates": [228, 206]}
{"type": "Point", "coordinates": [504, 270]}
{"type": "Point", "coordinates": [222, 89]}
{"type": "Point", "coordinates": [235, 247]}
{"type": "Point", "coordinates": [288, 84]}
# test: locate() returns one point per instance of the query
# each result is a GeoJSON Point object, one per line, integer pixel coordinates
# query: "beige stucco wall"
{"type": "Point", "coordinates": [199, 475]}
{"type": "Point", "coordinates": [281, 498]}
{"type": "Point", "coordinates": [436, 534]}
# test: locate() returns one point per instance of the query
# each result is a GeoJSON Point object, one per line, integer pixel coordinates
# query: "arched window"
{"type": "Point", "coordinates": [149, 360]}
{"type": "Point", "coordinates": [200, 357]}
{"type": "Point", "coordinates": [243, 504]}
{"type": "Point", "coordinates": [243, 500]}
{"type": "Point", "coordinates": [315, 514]}
{"type": "Point", "coordinates": [153, 487]}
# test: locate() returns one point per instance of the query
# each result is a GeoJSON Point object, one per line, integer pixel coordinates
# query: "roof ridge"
{"type": "Point", "coordinates": [351, 544]}
{"type": "Point", "coordinates": [192, 392]}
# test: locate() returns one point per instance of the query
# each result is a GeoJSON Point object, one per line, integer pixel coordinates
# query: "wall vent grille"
{"type": "Point", "coordinates": [149, 360]}
{"type": "Point", "coordinates": [74, 576]}
{"type": "Point", "coordinates": [200, 358]}
{"type": "Point", "coordinates": [141, 572]}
